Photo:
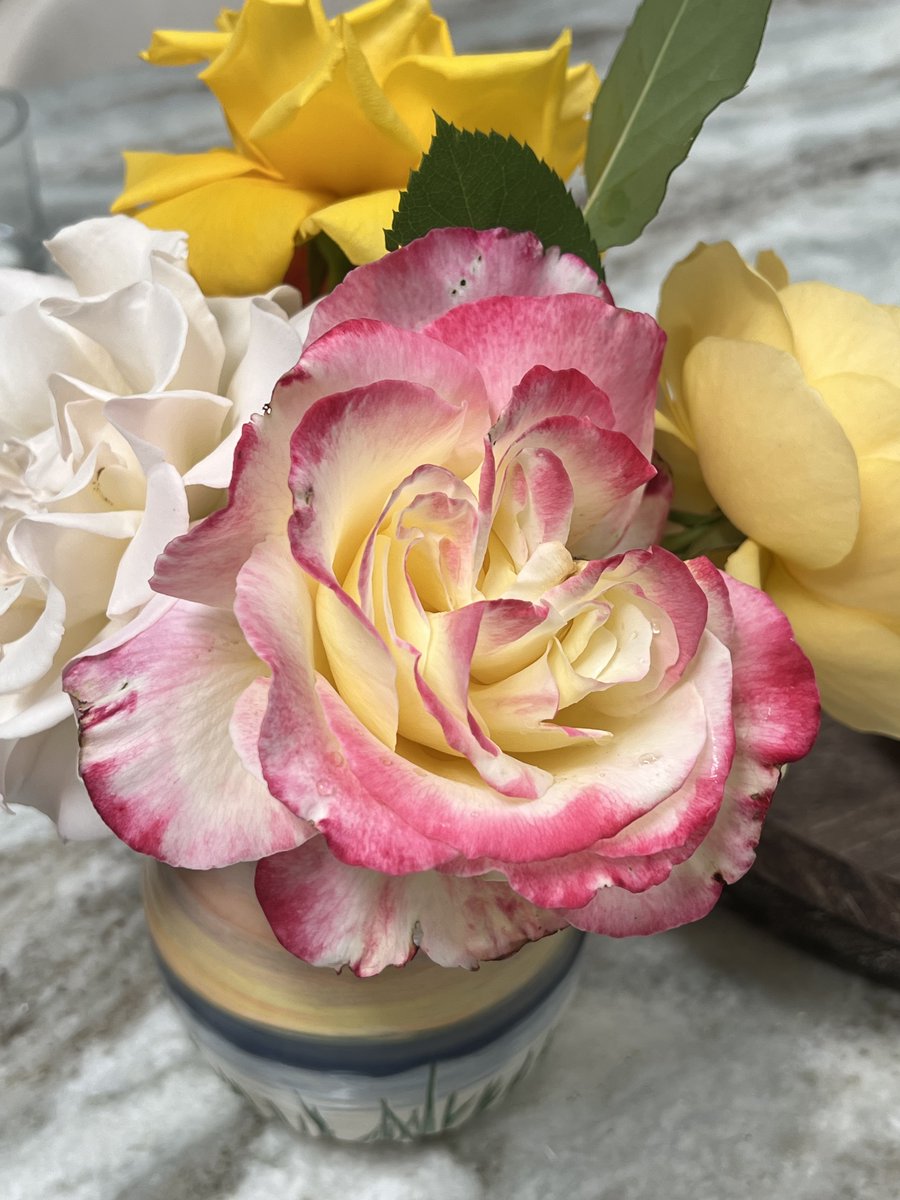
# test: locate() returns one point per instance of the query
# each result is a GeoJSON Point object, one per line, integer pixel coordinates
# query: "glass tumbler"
{"type": "Point", "coordinates": [21, 219]}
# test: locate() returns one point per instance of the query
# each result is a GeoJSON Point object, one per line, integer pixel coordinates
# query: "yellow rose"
{"type": "Point", "coordinates": [328, 119]}
{"type": "Point", "coordinates": [781, 405]}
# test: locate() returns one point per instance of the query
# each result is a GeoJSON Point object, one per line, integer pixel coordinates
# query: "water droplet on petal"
{"type": "Point", "coordinates": [335, 759]}
{"type": "Point", "coordinates": [654, 627]}
{"type": "Point", "coordinates": [325, 787]}
{"type": "Point", "coordinates": [647, 760]}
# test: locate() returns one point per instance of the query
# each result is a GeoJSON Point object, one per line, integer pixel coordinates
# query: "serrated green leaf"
{"type": "Point", "coordinates": [486, 181]}
{"type": "Point", "coordinates": [678, 61]}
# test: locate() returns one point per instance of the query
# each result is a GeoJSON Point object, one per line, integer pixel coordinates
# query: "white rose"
{"type": "Point", "coordinates": [122, 393]}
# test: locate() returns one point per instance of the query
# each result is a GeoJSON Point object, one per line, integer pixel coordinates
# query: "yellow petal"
{"type": "Point", "coordinates": [391, 29]}
{"type": "Point", "coordinates": [869, 577]}
{"type": "Point", "coordinates": [433, 37]}
{"type": "Point", "coordinates": [868, 410]}
{"type": "Point", "coordinates": [180, 47]}
{"type": "Point", "coordinates": [297, 133]}
{"type": "Point", "coordinates": [677, 452]}
{"type": "Point", "coordinates": [772, 269]}
{"type": "Point", "coordinates": [713, 293]}
{"type": "Point", "coordinates": [357, 225]}
{"type": "Point", "coordinates": [361, 666]}
{"type": "Point", "coordinates": [228, 19]}
{"type": "Point", "coordinates": [750, 563]}
{"type": "Point", "coordinates": [856, 657]}
{"type": "Point", "coordinates": [241, 232]}
{"type": "Point", "coordinates": [152, 178]}
{"type": "Point", "coordinates": [837, 331]}
{"type": "Point", "coordinates": [772, 455]}
{"type": "Point", "coordinates": [518, 95]}
{"type": "Point", "coordinates": [273, 46]}
{"type": "Point", "coordinates": [582, 85]}
{"type": "Point", "coordinates": [893, 311]}
{"type": "Point", "coordinates": [303, 99]}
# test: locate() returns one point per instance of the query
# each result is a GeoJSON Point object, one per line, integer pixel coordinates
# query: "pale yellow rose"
{"type": "Point", "coordinates": [328, 119]}
{"type": "Point", "coordinates": [781, 405]}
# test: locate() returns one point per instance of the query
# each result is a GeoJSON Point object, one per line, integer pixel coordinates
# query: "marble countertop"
{"type": "Point", "coordinates": [706, 1062]}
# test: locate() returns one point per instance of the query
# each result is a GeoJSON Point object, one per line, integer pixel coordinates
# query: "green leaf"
{"type": "Point", "coordinates": [712, 534]}
{"type": "Point", "coordinates": [486, 181]}
{"type": "Point", "coordinates": [678, 61]}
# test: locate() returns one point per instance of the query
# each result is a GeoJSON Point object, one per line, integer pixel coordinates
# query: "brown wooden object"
{"type": "Point", "coordinates": [827, 874]}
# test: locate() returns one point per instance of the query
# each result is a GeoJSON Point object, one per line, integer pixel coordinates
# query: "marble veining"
{"type": "Point", "coordinates": [707, 1062]}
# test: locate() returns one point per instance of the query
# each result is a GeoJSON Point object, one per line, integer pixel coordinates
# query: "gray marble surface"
{"type": "Point", "coordinates": [709, 1062]}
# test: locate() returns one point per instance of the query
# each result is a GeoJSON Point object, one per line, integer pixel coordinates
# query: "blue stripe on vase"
{"type": "Point", "coordinates": [376, 1056]}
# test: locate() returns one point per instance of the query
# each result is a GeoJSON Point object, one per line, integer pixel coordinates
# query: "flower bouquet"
{"type": "Point", "coordinates": [443, 605]}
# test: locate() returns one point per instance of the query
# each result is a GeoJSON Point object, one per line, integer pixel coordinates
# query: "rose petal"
{"type": "Point", "coordinates": [836, 331]}
{"type": "Point", "coordinates": [648, 524]}
{"type": "Point", "coordinates": [300, 754]}
{"type": "Point", "coordinates": [443, 683]}
{"type": "Point", "coordinates": [330, 914]}
{"type": "Point", "coordinates": [156, 755]}
{"type": "Point", "coordinates": [357, 224]}
{"type": "Point", "coordinates": [392, 427]}
{"type": "Point", "coordinates": [259, 500]}
{"type": "Point", "coordinates": [414, 286]}
{"type": "Point", "coordinates": [27, 404]}
{"type": "Point", "coordinates": [868, 410]}
{"type": "Point", "coordinates": [28, 658]}
{"type": "Point", "coordinates": [775, 721]}
{"type": "Point", "coordinates": [597, 790]}
{"type": "Point", "coordinates": [869, 576]}
{"type": "Point", "coordinates": [604, 468]}
{"type": "Point", "coordinates": [713, 293]}
{"type": "Point", "coordinates": [513, 94]}
{"type": "Point", "coordinates": [149, 359]}
{"type": "Point", "coordinates": [644, 852]}
{"type": "Point", "coordinates": [19, 288]}
{"type": "Point", "coordinates": [42, 772]}
{"type": "Point", "coordinates": [534, 503]}
{"type": "Point", "coordinates": [542, 393]}
{"type": "Point", "coordinates": [259, 213]}
{"type": "Point", "coordinates": [166, 516]}
{"type": "Point", "coordinates": [750, 408]}
{"type": "Point", "coordinates": [178, 427]}
{"type": "Point", "coordinates": [338, 91]}
{"type": "Point", "coordinates": [203, 564]}
{"type": "Point", "coordinates": [361, 352]}
{"type": "Point", "coordinates": [857, 654]}
{"type": "Point", "coordinates": [79, 551]}
{"type": "Point", "coordinates": [618, 351]}
{"type": "Point", "coordinates": [105, 254]}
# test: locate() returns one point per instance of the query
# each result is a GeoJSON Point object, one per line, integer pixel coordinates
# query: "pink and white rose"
{"type": "Point", "coordinates": [421, 666]}
{"type": "Point", "coordinates": [122, 393]}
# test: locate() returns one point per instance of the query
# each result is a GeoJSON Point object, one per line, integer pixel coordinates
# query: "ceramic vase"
{"type": "Point", "coordinates": [414, 1051]}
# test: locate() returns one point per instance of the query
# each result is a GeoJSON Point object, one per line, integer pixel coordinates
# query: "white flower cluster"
{"type": "Point", "coordinates": [122, 392]}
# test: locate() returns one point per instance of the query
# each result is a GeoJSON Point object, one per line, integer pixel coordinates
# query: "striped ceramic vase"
{"type": "Point", "coordinates": [413, 1051]}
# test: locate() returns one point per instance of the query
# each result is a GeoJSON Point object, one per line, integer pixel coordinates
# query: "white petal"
{"type": "Point", "coordinates": [107, 253]}
{"type": "Point", "coordinates": [165, 517]}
